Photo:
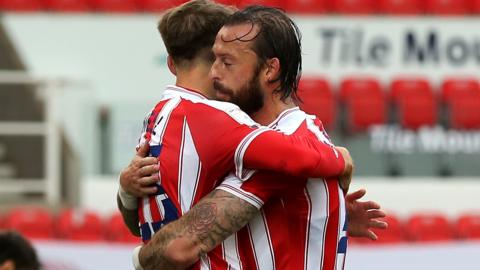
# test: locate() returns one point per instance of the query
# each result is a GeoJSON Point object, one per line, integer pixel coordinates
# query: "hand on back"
{"type": "Point", "coordinates": [139, 178]}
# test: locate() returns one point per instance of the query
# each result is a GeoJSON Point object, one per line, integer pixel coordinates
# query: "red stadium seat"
{"type": "Point", "coordinates": [400, 7]}
{"type": "Point", "coordinates": [115, 5]}
{"type": "Point", "coordinates": [428, 227]}
{"type": "Point", "coordinates": [306, 6]}
{"type": "Point", "coordinates": [406, 88]}
{"type": "Point", "coordinates": [68, 5]}
{"type": "Point", "coordinates": [447, 7]}
{"type": "Point", "coordinates": [475, 6]}
{"type": "Point", "coordinates": [317, 99]}
{"type": "Point", "coordinates": [270, 3]}
{"type": "Point", "coordinates": [415, 102]}
{"type": "Point", "coordinates": [468, 226]}
{"type": "Point", "coordinates": [32, 222]}
{"type": "Point", "coordinates": [79, 225]}
{"type": "Point", "coordinates": [2, 222]}
{"type": "Point", "coordinates": [355, 7]}
{"type": "Point", "coordinates": [365, 103]}
{"type": "Point", "coordinates": [394, 232]}
{"type": "Point", "coordinates": [462, 98]}
{"type": "Point", "coordinates": [21, 5]}
{"type": "Point", "coordinates": [459, 88]}
{"type": "Point", "coordinates": [157, 5]}
{"type": "Point", "coordinates": [117, 231]}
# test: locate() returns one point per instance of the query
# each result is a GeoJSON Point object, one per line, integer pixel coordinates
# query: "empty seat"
{"type": "Point", "coordinates": [354, 7]}
{"type": "Point", "coordinates": [157, 5]}
{"type": "Point", "coordinates": [67, 5]}
{"type": "Point", "coordinates": [462, 99]}
{"type": "Point", "coordinates": [317, 99]}
{"type": "Point", "coordinates": [269, 3]}
{"type": "Point", "coordinates": [400, 7]}
{"type": "Point", "coordinates": [428, 227]}
{"type": "Point", "coordinates": [306, 6]}
{"type": "Point", "coordinates": [32, 222]}
{"type": "Point", "coordinates": [447, 7]}
{"type": "Point", "coordinates": [394, 232]}
{"type": "Point", "coordinates": [409, 87]}
{"type": "Point", "coordinates": [468, 226]}
{"type": "Point", "coordinates": [475, 6]}
{"type": "Point", "coordinates": [21, 5]}
{"type": "Point", "coordinates": [365, 103]}
{"type": "Point", "coordinates": [459, 88]}
{"type": "Point", "coordinates": [79, 225]}
{"type": "Point", "coordinates": [415, 102]}
{"type": "Point", "coordinates": [117, 231]}
{"type": "Point", "coordinates": [115, 5]}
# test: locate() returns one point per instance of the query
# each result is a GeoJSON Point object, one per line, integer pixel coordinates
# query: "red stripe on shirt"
{"type": "Point", "coordinates": [331, 239]}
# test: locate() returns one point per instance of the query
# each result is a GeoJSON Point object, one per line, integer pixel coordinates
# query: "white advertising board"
{"type": "Point", "coordinates": [388, 47]}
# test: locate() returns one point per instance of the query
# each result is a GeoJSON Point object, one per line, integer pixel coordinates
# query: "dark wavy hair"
{"type": "Point", "coordinates": [278, 37]}
{"type": "Point", "coordinates": [189, 30]}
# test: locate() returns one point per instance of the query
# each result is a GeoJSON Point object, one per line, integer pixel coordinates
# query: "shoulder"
{"type": "Point", "coordinates": [227, 110]}
{"type": "Point", "coordinates": [290, 121]}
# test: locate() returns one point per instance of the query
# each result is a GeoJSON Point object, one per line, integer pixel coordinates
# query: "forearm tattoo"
{"type": "Point", "coordinates": [207, 224]}
{"type": "Point", "coordinates": [203, 217]}
{"type": "Point", "coordinates": [216, 217]}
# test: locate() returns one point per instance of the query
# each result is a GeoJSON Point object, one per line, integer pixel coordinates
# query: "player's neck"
{"type": "Point", "coordinates": [196, 78]}
{"type": "Point", "coordinates": [273, 106]}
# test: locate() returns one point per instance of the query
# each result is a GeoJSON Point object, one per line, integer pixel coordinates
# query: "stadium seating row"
{"type": "Point", "coordinates": [391, 7]}
{"type": "Point", "coordinates": [411, 102]}
{"type": "Point", "coordinates": [427, 227]}
{"type": "Point", "coordinates": [70, 224]}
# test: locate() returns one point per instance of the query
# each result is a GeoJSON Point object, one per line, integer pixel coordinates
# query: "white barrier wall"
{"type": "Point", "coordinates": [443, 256]}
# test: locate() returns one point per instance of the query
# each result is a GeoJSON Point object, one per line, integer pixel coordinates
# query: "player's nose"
{"type": "Point", "coordinates": [214, 75]}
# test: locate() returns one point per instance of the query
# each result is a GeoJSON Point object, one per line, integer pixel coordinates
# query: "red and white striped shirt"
{"type": "Point", "coordinates": [199, 141]}
{"type": "Point", "coordinates": [302, 224]}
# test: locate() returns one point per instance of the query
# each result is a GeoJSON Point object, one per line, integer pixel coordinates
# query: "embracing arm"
{"type": "Point", "coordinates": [181, 243]}
{"type": "Point", "coordinates": [291, 155]}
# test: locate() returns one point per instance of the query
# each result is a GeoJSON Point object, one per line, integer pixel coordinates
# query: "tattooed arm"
{"type": "Point", "coordinates": [180, 244]}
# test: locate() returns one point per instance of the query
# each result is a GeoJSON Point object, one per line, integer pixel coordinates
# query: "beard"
{"type": "Point", "coordinates": [249, 98]}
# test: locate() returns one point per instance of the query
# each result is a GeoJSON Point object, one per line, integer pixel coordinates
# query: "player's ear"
{"type": "Point", "coordinates": [273, 69]}
{"type": "Point", "coordinates": [171, 65]}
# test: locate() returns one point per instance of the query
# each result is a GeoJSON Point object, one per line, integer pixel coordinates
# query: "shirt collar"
{"type": "Point", "coordinates": [183, 92]}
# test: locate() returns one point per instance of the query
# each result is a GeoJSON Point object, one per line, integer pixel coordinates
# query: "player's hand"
{"type": "Point", "coordinates": [363, 216]}
{"type": "Point", "coordinates": [140, 175]}
{"type": "Point", "coordinates": [346, 177]}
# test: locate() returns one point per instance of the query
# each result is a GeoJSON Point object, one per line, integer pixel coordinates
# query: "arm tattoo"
{"type": "Point", "coordinates": [217, 216]}
{"type": "Point", "coordinates": [203, 218]}
{"type": "Point", "coordinates": [231, 214]}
